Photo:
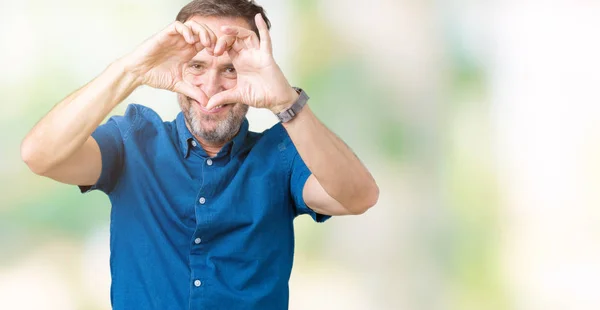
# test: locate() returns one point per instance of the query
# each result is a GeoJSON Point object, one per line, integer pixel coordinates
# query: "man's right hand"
{"type": "Point", "coordinates": [161, 60]}
{"type": "Point", "coordinates": [60, 145]}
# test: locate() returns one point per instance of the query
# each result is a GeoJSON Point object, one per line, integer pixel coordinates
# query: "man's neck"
{"type": "Point", "coordinates": [211, 149]}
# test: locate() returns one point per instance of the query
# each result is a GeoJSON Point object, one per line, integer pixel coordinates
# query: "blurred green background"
{"type": "Point", "coordinates": [480, 121]}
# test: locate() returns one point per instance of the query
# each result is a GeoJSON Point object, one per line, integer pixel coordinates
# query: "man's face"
{"type": "Point", "coordinates": [213, 75]}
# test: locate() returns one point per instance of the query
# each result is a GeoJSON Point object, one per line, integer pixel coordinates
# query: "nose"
{"type": "Point", "coordinates": [210, 83]}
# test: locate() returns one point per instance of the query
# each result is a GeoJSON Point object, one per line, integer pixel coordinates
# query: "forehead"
{"type": "Point", "coordinates": [215, 23]}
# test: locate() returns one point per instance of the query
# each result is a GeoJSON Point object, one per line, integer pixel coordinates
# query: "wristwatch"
{"type": "Point", "coordinates": [289, 113]}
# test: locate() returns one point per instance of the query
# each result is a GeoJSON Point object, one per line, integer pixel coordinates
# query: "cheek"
{"type": "Point", "coordinates": [229, 83]}
{"type": "Point", "coordinates": [182, 100]}
{"type": "Point", "coordinates": [239, 108]}
{"type": "Point", "coordinates": [190, 77]}
{"type": "Point", "coordinates": [184, 104]}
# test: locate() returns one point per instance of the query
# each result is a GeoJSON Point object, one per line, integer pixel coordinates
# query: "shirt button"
{"type": "Point", "coordinates": [202, 200]}
{"type": "Point", "coordinates": [197, 283]}
{"type": "Point", "coordinates": [209, 162]}
{"type": "Point", "coordinates": [194, 144]}
{"type": "Point", "coordinates": [197, 241]}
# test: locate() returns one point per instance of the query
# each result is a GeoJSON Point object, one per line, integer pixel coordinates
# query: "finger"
{"type": "Point", "coordinates": [229, 43]}
{"type": "Point", "coordinates": [247, 35]}
{"type": "Point", "coordinates": [184, 31]}
{"type": "Point", "coordinates": [199, 47]}
{"type": "Point", "coordinates": [191, 91]}
{"type": "Point", "coordinates": [212, 39]}
{"type": "Point", "coordinates": [233, 54]}
{"type": "Point", "coordinates": [207, 36]}
{"type": "Point", "coordinates": [200, 31]}
{"type": "Point", "coordinates": [223, 44]}
{"type": "Point", "coordinates": [224, 97]}
{"type": "Point", "coordinates": [212, 35]}
{"type": "Point", "coordinates": [265, 35]}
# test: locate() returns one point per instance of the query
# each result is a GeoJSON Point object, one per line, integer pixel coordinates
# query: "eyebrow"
{"type": "Point", "coordinates": [204, 63]}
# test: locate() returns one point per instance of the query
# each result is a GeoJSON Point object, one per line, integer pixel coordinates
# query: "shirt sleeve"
{"type": "Point", "coordinates": [109, 139]}
{"type": "Point", "coordinates": [299, 175]}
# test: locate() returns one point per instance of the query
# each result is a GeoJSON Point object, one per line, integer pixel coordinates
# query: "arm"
{"type": "Point", "coordinates": [61, 147]}
{"type": "Point", "coordinates": [339, 183]}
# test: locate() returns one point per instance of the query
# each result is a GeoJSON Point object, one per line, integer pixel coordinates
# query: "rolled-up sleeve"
{"type": "Point", "coordinates": [108, 137]}
{"type": "Point", "coordinates": [299, 175]}
{"type": "Point", "coordinates": [111, 138]}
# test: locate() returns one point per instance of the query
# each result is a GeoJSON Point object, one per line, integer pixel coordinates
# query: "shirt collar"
{"type": "Point", "coordinates": [185, 137]}
{"type": "Point", "coordinates": [240, 138]}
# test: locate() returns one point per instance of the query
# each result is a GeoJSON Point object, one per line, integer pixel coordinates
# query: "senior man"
{"type": "Point", "coordinates": [202, 209]}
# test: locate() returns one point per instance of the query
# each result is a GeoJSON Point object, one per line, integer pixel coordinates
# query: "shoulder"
{"type": "Point", "coordinates": [142, 114]}
{"type": "Point", "coordinates": [271, 137]}
{"type": "Point", "coordinates": [137, 117]}
{"type": "Point", "coordinates": [276, 142]}
{"type": "Point", "coordinates": [276, 134]}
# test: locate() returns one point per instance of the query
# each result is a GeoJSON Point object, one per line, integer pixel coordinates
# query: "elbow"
{"type": "Point", "coordinates": [370, 198]}
{"type": "Point", "coordinates": [30, 156]}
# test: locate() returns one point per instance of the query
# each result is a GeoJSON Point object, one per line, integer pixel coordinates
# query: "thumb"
{"type": "Point", "coordinates": [224, 97]}
{"type": "Point", "coordinates": [191, 91]}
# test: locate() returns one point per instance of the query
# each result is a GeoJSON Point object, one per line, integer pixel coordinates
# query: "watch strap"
{"type": "Point", "coordinates": [291, 112]}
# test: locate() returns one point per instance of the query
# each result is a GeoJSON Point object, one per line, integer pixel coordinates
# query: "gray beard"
{"type": "Point", "coordinates": [223, 132]}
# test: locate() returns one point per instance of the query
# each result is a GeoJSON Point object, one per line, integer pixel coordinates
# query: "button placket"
{"type": "Point", "coordinates": [203, 212]}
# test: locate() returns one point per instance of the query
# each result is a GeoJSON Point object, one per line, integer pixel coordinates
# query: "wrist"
{"type": "Point", "coordinates": [123, 81]}
{"type": "Point", "coordinates": [294, 108]}
{"type": "Point", "coordinates": [286, 104]}
{"type": "Point", "coordinates": [129, 70]}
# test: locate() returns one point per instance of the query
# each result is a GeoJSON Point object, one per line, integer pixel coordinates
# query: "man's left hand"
{"type": "Point", "coordinates": [260, 81]}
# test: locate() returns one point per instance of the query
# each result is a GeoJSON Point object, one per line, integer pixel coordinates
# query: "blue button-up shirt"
{"type": "Point", "coordinates": [193, 232]}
